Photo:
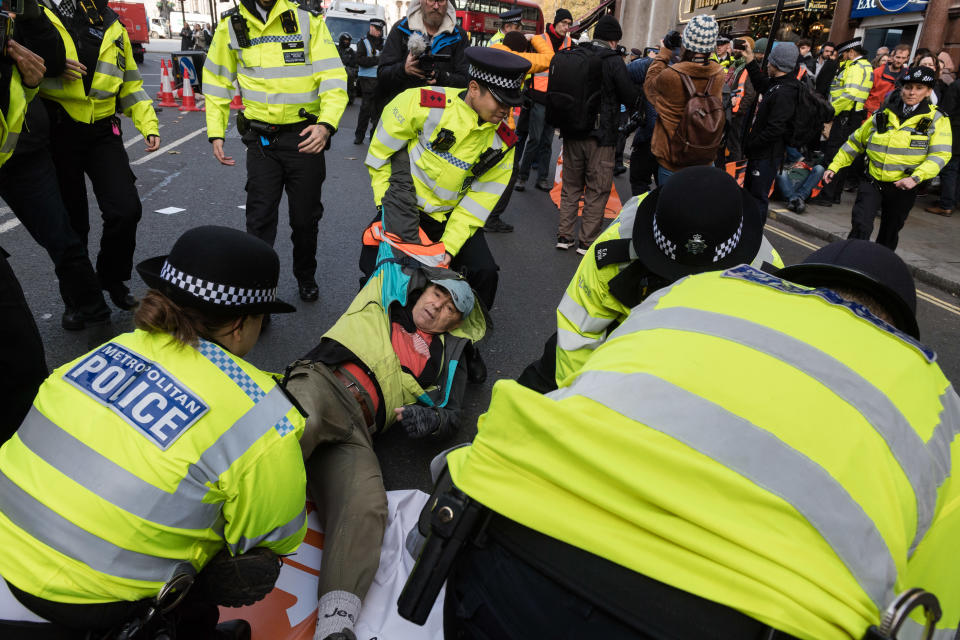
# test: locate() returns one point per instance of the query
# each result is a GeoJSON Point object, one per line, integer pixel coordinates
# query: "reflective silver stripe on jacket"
{"type": "Point", "coordinates": [219, 70]}
{"type": "Point", "coordinates": [132, 75]}
{"type": "Point", "coordinates": [394, 144]}
{"type": "Point", "coordinates": [327, 64]}
{"type": "Point", "coordinates": [283, 531]}
{"type": "Point", "coordinates": [757, 455]}
{"type": "Point", "coordinates": [332, 83]}
{"type": "Point", "coordinates": [433, 208]}
{"type": "Point", "coordinates": [580, 317]}
{"type": "Point", "coordinates": [275, 73]}
{"type": "Point", "coordinates": [60, 534]}
{"type": "Point", "coordinates": [277, 98]}
{"type": "Point", "coordinates": [870, 402]}
{"type": "Point", "coordinates": [129, 100]}
{"type": "Point", "coordinates": [182, 509]}
{"type": "Point", "coordinates": [108, 69]}
{"type": "Point", "coordinates": [430, 183]}
{"type": "Point", "coordinates": [220, 92]}
{"type": "Point", "coordinates": [100, 94]}
{"type": "Point", "coordinates": [570, 341]}
{"type": "Point", "coordinates": [474, 208]}
{"type": "Point", "coordinates": [897, 151]}
{"type": "Point", "coordinates": [10, 143]}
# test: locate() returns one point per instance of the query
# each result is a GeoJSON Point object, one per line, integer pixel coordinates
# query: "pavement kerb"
{"type": "Point", "coordinates": [922, 274]}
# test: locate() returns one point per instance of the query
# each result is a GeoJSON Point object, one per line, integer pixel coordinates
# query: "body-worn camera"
{"type": "Point", "coordinates": [673, 39]}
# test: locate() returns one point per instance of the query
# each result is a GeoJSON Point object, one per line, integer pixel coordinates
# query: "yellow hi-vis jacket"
{"type": "Point", "coordinates": [143, 459]}
{"type": "Point", "coordinates": [589, 310]}
{"type": "Point", "coordinates": [446, 188]}
{"type": "Point", "coordinates": [920, 146]}
{"type": "Point", "coordinates": [851, 86]}
{"type": "Point", "coordinates": [11, 122]}
{"type": "Point", "coordinates": [770, 447]}
{"type": "Point", "coordinates": [116, 85]}
{"type": "Point", "coordinates": [279, 73]}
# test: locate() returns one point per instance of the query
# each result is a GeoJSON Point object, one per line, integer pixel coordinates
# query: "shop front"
{"type": "Point", "coordinates": [887, 23]}
{"type": "Point", "coordinates": [800, 18]}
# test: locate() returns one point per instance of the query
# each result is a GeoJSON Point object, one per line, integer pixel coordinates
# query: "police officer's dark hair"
{"type": "Point", "coordinates": [866, 300]}
{"type": "Point", "coordinates": [159, 314]}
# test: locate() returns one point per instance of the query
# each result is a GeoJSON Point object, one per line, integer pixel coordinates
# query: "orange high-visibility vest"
{"type": "Point", "coordinates": [736, 96]}
{"type": "Point", "coordinates": [542, 79]}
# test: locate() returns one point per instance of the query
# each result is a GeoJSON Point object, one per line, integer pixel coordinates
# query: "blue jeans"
{"type": "Point", "coordinates": [792, 188]}
{"type": "Point", "coordinates": [538, 145]}
{"type": "Point", "coordinates": [948, 183]}
{"type": "Point", "coordinates": [663, 175]}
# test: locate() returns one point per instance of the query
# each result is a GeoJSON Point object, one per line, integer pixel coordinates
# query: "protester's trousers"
{"type": "Point", "coordinates": [587, 171]}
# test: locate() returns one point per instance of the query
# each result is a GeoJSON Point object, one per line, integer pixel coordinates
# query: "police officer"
{"type": "Point", "coordinates": [737, 434]}
{"type": "Point", "coordinates": [349, 59]}
{"type": "Point", "coordinates": [368, 58]}
{"type": "Point", "coordinates": [460, 156]}
{"type": "Point", "coordinates": [658, 238]}
{"type": "Point", "coordinates": [294, 88]}
{"type": "Point", "coordinates": [905, 143]}
{"type": "Point", "coordinates": [509, 21]}
{"type": "Point", "coordinates": [159, 453]}
{"type": "Point", "coordinates": [848, 96]}
{"type": "Point", "coordinates": [86, 132]}
{"type": "Point", "coordinates": [22, 363]}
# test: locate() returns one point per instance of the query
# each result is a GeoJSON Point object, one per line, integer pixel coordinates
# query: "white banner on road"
{"type": "Point", "coordinates": [290, 611]}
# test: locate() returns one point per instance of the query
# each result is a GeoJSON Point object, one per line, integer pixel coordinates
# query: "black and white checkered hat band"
{"type": "Point", "coordinates": [221, 294]}
{"type": "Point", "coordinates": [726, 247]}
{"type": "Point", "coordinates": [666, 245]}
{"type": "Point", "coordinates": [495, 80]}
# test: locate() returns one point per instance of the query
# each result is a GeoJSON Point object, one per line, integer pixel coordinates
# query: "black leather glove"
{"type": "Point", "coordinates": [420, 421]}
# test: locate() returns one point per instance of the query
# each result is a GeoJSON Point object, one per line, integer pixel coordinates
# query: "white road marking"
{"type": "Point", "coordinates": [167, 211]}
{"type": "Point", "coordinates": [167, 147]}
{"type": "Point", "coordinates": [9, 224]}
{"type": "Point", "coordinates": [132, 141]}
{"type": "Point", "coordinates": [163, 183]}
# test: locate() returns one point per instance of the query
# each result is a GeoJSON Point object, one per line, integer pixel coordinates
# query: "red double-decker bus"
{"type": "Point", "coordinates": [480, 18]}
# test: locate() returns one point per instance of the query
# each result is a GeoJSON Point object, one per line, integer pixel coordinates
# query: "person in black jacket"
{"type": "Point", "coordinates": [588, 157]}
{"type": "Point", "coordinates": [950, 174]}
{"type": "Point", "coordinates": [766, 141]}
{"type": "Point", "coordinates": [368, 59]}
{"type": "Point", "coordinates": [349, 59]}
{"type": "Point", "coordinates": [28, 184]}
{"type": "Point", "coordinates": [826, 69]}
{"type": "Point", "coordinates": [401, 69]}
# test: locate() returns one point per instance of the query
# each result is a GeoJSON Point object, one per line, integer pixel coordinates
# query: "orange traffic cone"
{"type": "Point", "coordinates": [165, 95]}
{"type": "Point", "coordinates": [189, 101]}
{"type": "Point", "coordinates": [237, 102]}
{"type": "Point", "coordinates": [611, 208]}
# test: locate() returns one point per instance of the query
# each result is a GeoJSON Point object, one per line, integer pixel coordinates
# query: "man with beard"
{"type": "Point", "coordinates": [425, 48]}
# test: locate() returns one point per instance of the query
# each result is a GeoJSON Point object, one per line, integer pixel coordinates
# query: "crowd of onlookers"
{"type": "Point", "coordinates": [196, 38]}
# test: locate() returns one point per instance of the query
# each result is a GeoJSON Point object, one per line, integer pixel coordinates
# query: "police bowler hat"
{"type": "Point", "coordinates": [218, 269]}
{"type": "Point", "coordinates": [864, 266]}
{"type": "Point", "coordinates": [700, 220]}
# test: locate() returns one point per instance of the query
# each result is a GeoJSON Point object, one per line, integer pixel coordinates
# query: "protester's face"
{"type": "Point", "coordinates": [433, 12]}
{"type": "Point", "coordinates": [434, 311]}
{"type": "Point", "coordinates": [900, 58]}
{"type": "Point", "coordinates": [946, 61]}
{"type": "Point", "coordinates": [563, 26]}
{"type": "Point", "coordinates": [486, 106]}
{"type": "Point", "coordinates": [913, 92]}
{"type": "Point", "coordinates": [884, 59]}
{"type": "Point", "coordinates": [804, 50]}
{"type": "Point", "coordinates": [927, 61]}
{"type": "Point", "coordinates": [827, 53]}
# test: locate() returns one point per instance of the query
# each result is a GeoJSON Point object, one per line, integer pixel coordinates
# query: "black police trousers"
{"type": "Point", "coordinates": [497, 591]}
{"type": "Point", "coordinates": [22, 364]}
{"type": "Point", "coordinates": [97, 150]}
{"type": "Point", "coordinates": [474, 259]}
{"type": "Point", "coordinates": [892, 203]}
{"type": "Point", "coordinates": [28, 184]}
{"type": "Point", "coordinates": [272, 168]}
{"type": "Point", "coordinates": [368, 116]}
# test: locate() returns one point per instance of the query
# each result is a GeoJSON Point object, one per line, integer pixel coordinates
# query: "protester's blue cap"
{"type": "Point", "coordinates": [459, 291]}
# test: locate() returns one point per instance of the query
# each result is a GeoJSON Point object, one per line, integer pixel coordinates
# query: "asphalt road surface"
{"type": "Point", "coordinates": [182, 186]}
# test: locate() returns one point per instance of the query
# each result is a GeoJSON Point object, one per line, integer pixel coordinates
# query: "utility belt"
{"type": "Point", "coordinates": [452, 520]}
{"type": "Point", "coordinates": [246, 125]}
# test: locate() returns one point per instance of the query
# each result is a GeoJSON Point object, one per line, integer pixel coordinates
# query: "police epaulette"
{"type": "Point", "coordinates": [432, 99]}
{"type": "Point", "coordinates": [229, 12]}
